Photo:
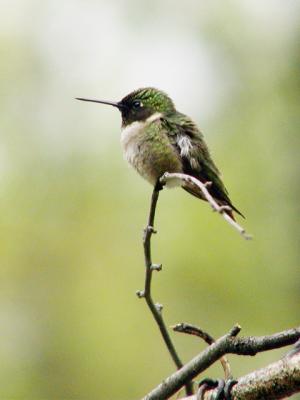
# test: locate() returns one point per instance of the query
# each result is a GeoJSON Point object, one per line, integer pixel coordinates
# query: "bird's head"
{"type": "Point", "coordinates": [140, 104]}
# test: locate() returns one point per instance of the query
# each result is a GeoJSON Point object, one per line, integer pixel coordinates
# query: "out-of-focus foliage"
{"type": "Point", "coordinates": [72, 212]}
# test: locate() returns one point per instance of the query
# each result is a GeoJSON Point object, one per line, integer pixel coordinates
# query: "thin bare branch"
{"type": "Point", "coordinates": [155, 308]}
{"type": "Point", "coordinates": [194, 330]}
{"type": "Point", "coordinates": [203, 187]}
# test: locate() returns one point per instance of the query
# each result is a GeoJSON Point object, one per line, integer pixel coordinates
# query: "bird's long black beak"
{"type": "Point", "coordinates": [111, 103]}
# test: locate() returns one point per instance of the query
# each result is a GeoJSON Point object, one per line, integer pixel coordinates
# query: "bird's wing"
{"type": "Point", "coordinates": [189, 142]}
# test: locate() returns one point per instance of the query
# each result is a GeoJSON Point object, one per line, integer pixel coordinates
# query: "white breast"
{"type": "Point", "coordinates": [130, 137]}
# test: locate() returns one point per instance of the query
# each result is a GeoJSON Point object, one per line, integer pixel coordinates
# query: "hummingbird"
{"type": "Point", "coordinates": [156, 138]}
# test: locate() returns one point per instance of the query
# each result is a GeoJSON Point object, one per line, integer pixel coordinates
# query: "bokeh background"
{"type": "Point", "coordinates": [72, 211]}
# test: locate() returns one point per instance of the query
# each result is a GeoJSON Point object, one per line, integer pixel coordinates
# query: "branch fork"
{"type": "Point", "coordinates": [282, 377]}
{"type": "Point", "coordinates": [228, 343]}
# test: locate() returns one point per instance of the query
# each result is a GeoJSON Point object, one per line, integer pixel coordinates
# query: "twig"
{"type": "Point", "coordinates": [278, 380]}
{"type": "Point", "coordinates": [225, 345]}
{"type": "Point", "coordinates": [203, 187]}
{"type": "Point", "coordinates": [194, 330]}
{"type": "Point", "coordinates": [156, 309]}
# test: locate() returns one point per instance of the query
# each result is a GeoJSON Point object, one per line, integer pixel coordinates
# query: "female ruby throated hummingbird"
{"type": "Point", "coordinates": [156, 138]}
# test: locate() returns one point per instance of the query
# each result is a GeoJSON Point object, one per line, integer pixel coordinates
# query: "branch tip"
{"type": "Point", "coordinates": [235, 330]}
{"type": "Point", "coordinates": [207, 184]}
{"type": "Point", "coordinates": [178, 327]}
{"type": "Point", "coordinates": [156, 267]}
{"type": "Point", "coordinates": [149, 229]}
{"type": "Point", "coordinates": [140, 294]}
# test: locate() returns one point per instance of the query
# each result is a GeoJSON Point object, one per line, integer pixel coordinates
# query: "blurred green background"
{"type": "Point", "coordinates": [72, 211]}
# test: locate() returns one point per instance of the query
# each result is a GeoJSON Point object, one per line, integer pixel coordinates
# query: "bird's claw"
{"type": "Point", "coordinates": [223, 388]}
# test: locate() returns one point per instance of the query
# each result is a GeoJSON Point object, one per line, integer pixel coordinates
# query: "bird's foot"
{"type": "Point", "coordinates": [223, 388]}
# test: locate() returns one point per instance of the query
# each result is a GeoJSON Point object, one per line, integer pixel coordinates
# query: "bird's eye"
{"type": "Point", "coordinates": [137, 104]}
